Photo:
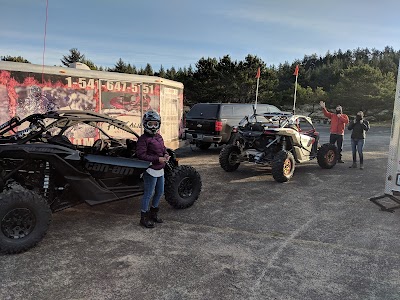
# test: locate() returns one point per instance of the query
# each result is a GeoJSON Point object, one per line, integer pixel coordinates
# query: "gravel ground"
{"type": "Point", "coordinates": [247, 237]}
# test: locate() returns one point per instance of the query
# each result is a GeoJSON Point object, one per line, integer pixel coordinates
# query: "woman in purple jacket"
{"type": "Point", "coordinates": [150, 147]}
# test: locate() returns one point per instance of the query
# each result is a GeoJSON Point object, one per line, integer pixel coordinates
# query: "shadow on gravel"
{"type": "Point", "coordinates": [192, 151]}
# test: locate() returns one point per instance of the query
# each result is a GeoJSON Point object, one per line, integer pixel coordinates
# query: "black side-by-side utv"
{"type": "Point", "coordinates": [42, 172]}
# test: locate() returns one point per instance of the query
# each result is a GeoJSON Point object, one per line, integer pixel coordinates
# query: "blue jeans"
{"type": "Point", "coordinates": [357, 145]}
{"type": "Point", "coordinates": [152, 185]}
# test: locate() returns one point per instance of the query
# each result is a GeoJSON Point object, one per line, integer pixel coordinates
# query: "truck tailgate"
{"type": "Point", "coordinates": [200, 126]}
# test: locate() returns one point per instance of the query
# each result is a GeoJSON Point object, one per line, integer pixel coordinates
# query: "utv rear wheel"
{"type": "Point", "coordinates": [283, 166]}
{"type": "Point", "coordinates": [327, 156]}
{"type": "Point", "coordinates": [25, 217]}
{"type": "Point", "coordinates": [182, 186]}
{"type": "Point", "coordinates": [203, 146]}
{"type": "Point", "coordinates": [228, 158]}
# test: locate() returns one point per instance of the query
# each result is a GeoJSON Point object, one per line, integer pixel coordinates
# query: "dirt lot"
{"type": "Point", "coordinates": [247, 237]}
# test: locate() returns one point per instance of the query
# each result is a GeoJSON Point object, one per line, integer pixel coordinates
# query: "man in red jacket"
{"type": "Point", "coordinates": [338, 124]}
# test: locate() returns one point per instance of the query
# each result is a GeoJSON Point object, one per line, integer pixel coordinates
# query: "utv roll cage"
{"type": "Point", "coordinates": [62, 120]}
{"type": "Point", "coordinates": [280, 119]}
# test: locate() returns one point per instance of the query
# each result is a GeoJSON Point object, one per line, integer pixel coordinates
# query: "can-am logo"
{"type": "Point", "coordinates": [107, 168]}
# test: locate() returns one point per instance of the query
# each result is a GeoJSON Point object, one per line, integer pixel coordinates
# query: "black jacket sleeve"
{"type": "Point", "coordinates": [351, 125]}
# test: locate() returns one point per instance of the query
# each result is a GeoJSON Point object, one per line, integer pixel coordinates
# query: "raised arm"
{"type": "Point", "coordinates": [326, 113]}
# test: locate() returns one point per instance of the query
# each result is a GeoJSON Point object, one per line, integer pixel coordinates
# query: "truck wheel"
{"type": "Point", "coordinates": [228, 158]}
{"type": "Point", "coordinates": [203, 146]}
{"type": "Point", "coordinates": [283, 166]}
{"type": "Point", "coordinates": [182, 186]}
{"type": "Point", "coordinates": [327, 156]}
{"type": "Point", "coordinates": [25, 217]}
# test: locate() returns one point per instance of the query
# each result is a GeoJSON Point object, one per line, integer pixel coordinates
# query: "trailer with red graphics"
{"type": "Point", "coordinates": [26, 89]}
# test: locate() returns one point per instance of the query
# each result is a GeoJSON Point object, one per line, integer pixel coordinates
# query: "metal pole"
{"type": "Point", "coordinates": [295, 92]}
{"type": "Point", "coordinates": [255, 105]}
{"type": "Point", "coordinates": [141, 106]}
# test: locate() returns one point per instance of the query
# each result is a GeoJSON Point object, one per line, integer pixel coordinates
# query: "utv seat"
{"type": "Point", "coordinates": [131, 147]}
{"type": "Point", "coordinates": [61, 140]}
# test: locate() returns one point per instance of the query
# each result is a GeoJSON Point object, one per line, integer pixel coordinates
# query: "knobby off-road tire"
{"type": "Point", "coordinates": [203, 146]}
{"type": "Point", "coordinates": [228, 158]}
{"type": "Point", "coordinates": [283, 166]}
{"type": "Point", "coordinates": [24, 219]}
{"type": "Point", "coordinates": [182, 186]}
{"type": "Point", "coordinates": [327, 156]}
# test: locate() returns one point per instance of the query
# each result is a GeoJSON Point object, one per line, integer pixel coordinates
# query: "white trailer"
{"type": "Point", "coordinates": [392, 180]}
{"type": "Point", "coordinates": [28, 88]}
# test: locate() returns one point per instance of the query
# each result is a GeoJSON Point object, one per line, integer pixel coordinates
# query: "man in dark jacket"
{"type": "Point", "coordinates": [359, 126]}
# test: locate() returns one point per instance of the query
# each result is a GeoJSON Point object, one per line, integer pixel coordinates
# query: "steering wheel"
{"type": "Point", "coordinates": [98, 145]}
{"type": "Point", "coordinates": [38, 124]}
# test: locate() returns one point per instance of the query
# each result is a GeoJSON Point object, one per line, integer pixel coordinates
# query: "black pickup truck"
{"type": "Point", "coordinates": [212, 123]}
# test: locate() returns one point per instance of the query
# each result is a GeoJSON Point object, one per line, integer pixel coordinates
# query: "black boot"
{"type": "Point", "coordinates": [154, 215]}
{"type": "Point", "coordinates": [145, 220]}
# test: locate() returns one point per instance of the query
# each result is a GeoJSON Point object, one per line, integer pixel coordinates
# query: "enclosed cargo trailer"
{"type": "Point", "coordinates": [27, 88]}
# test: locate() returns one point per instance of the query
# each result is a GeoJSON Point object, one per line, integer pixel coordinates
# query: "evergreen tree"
{"type": "Point", "coordinates": [364, 88]}
{"type": "Point", "coordinates": [120, 67]}
{"type": "Point", "coordinates": [15, 59]}
{"type": "Point", "coordinates": [161, 72]}
{"type": "Point", "coordinates": [148, 70]}
{"type": "Point", "coordinates": [171, 73]}
{"type": "Point", "coordinates": [131, 69]}
{"type": "Point", "coordinates": [74, 56]}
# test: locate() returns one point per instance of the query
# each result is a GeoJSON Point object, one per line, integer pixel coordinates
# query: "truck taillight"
{"type": "Point", "coordinates": [218, 126]}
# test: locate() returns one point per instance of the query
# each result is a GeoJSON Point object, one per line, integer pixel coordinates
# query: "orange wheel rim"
{"type": "Point", "coordinates": [330, 156]}
{"type": "Point", "coordinates": [287, 166]}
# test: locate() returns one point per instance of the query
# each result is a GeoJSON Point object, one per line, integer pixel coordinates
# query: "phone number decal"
{"type": "Point", "coordinates": [109, 85]}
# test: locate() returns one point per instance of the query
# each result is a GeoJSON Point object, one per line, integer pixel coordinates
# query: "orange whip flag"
{"type": "Point", "coordinates": [258, 73]}
{"type": "Point", "coordinates": [296, 71]}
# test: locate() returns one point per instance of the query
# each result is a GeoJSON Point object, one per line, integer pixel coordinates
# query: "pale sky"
{"type": "Point", "coordinates": [179, 32]}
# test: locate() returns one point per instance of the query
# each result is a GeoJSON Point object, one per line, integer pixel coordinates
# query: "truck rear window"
{"type": "Point", "coordinates": [267, 108]}
{"type": "Point", "coordinates": [203, 111]}
{"type": "Point", "coordinates": [236, 111]}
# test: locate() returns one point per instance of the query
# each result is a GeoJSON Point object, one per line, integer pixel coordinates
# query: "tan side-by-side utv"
{"type": "Point", "coordinates": [279, 140]}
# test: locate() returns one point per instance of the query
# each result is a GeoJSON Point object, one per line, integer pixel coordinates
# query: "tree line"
{"type": "Point", "coordinates": [360, 79]}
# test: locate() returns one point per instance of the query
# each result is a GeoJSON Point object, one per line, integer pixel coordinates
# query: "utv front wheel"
{"type": "Point", "coordinates": [24, 219]}
{"type": "Point", "coordinates": [283, 166]}
{"type": "Point", "coordinates": [229, 158]}
{"type": "Point", "coordinates": [182, 186]}
{"type": "Point", "coordinates": [327, 156]}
